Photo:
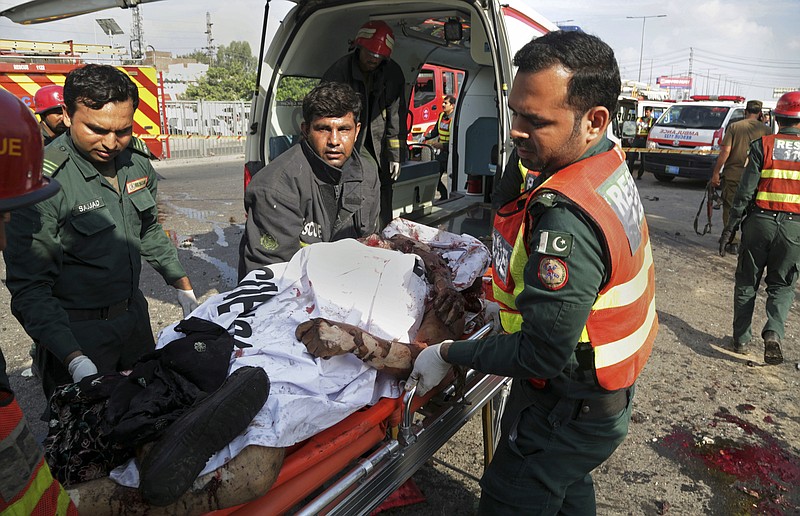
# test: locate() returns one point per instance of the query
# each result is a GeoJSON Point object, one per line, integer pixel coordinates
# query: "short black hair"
{"type": "Point", "coordinates": [595, 77]}
{"type": "Point", "coordinates": [96, 85]}
{"type": "Point", "coordinates": [785, 121]}
{"type": "Point", "coordinates": [449, 98]}
{"type": "Point", "coordinates": [331, 99]}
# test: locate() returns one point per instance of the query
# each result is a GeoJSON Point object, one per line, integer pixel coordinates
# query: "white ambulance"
{"type": "Point", "coordinates": [696, 126]}
{"type": "Point", "coordinates": [478, 37]}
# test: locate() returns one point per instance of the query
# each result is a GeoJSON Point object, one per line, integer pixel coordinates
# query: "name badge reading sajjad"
{"type": "Point", "coordinates": [84, 207]}
{"type": "Point", "coordinates": [135, 185]}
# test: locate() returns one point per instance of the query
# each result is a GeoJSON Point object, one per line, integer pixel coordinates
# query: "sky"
{"type": "Point", "coordinates": [744, 47]}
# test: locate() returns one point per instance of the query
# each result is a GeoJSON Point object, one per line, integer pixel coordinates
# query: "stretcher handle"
{"type": "Point", "coordinates": [407, 436]}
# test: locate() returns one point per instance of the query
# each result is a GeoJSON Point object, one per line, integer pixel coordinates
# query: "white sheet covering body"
{"type": "Point", "coordinates": [378, 290]}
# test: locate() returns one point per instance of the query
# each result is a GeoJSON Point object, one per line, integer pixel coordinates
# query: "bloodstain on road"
{"type": "Point", "coordinates": [758, 473]}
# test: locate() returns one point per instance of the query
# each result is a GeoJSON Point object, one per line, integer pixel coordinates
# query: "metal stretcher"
{"type": "Point", "coordinates": [367, 456]}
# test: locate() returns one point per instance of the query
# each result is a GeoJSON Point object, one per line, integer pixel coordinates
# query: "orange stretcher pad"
{"type": "Point", "coordinates": [311, 463]}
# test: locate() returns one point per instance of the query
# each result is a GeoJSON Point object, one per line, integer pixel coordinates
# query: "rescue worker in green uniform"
{"type": "Point", "coordinates": [768, 199]}
{"type": "Point", "coordinates": [74, 260]}
{"type": "Point", "coordinates": [27, 486]}
{"type": "Point", "coordinates": [577, 267]}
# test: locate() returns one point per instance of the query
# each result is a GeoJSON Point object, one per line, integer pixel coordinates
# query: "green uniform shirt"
{"type": "Point", "coordinates": [82, 248]}
{"type": "Point", "coordinates": [552, 319]}
{"type": "Point", "coordinates": [748, 185]}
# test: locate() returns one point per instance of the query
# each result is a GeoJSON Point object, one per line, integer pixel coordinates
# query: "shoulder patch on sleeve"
{"type": "Point", "coordinates": [54, 159]}
{"type": "Point", "coordinates": [553, 273]}
{"type": "Point", "coordinates": [555, 243]}
{"type": "Point", "coordinates": [140, 147]}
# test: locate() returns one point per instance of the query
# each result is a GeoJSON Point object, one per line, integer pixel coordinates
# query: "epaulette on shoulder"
{"type": "Point", "coordinates": [140, 147]}
{"type": "Point", "coordinates": [545, 199]}
{"type": "Point", "coordinates": [54, 158]}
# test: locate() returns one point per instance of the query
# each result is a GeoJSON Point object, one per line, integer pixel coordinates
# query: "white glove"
{"type": "Point", "coordinates": [394, 170]}
{"type": "Point", "coordinates": [187, 301]}
{"type": "Point", "coordinates": [429, 369]}
{"type": "Point", "coordinates": [491, 312]}
{"type": "Point", "coordinates": [80, 367]}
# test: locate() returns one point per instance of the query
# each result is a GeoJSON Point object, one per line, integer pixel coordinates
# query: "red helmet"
{"type": "Point", "coordinates": [788, 105]}
{"type": "Point", "coordinates": [21, 155]}
{"type": "Point", "coordinates": [375, 37]}
{"type": "Point", "coordinates": [48, 98]}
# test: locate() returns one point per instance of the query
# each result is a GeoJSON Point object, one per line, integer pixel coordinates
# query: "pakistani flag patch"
{"type": "Point", "coordinates": [554, 243]}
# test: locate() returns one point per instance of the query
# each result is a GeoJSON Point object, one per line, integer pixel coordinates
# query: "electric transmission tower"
{"type": "Point", "coordinates": [209, 40]}
{"type": "Point", "coordinates": [137, 34]}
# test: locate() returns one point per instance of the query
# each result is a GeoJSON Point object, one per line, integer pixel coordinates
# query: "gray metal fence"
{"type": "Point", "coordinates": [205, 128]}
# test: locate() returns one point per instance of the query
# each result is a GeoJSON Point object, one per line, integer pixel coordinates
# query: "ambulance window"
{"type": "Point", "coordinates": [449, 83]}
{"type": "Point", "coordinates": [292, 90]}
{"type": "Point", "coordinates": [425, 89]}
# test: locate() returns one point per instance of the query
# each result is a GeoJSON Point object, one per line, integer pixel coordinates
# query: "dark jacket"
{"type": "Point", "coordinates": [380, 112]}
{"type": "Point", "coordinates": [298, 199]}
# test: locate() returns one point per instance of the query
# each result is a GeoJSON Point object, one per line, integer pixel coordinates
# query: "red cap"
{"type": "Point", "coordinates": [376, 37]}
{"type": "Point", "coordinates": [788, 105]}
{"type": "Point", "coordinates": [48, 98]}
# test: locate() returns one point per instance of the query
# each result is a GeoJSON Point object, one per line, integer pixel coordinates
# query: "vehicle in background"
{"type": "Point", "coordinates": [628, 111]}
{"type": "Point", "coordinates": [768, 116]}
{"type": "Point", "coordinates": [24, 79]}
{"type": "Point", "coordinates": [433, 82]}
{"type": "Point", "coordinates": [625, 114]}
{"type": "Point", "coordinates": [695, 125]}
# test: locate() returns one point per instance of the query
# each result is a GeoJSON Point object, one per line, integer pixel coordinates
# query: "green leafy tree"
{"type": "Point", "coordinates": [232, 76]}
{"type": "Point", "coordinates": [292, 90]}
{"type": "Point", "coordinates": [197, 55]}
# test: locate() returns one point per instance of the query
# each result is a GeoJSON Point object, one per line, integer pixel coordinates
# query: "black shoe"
{"type": "Point", "coordinates": [740, 347]}
{"type": "Point", "coordinates": [173, 463]}
{"type": "Point", "coordinates": [772, 348]}
{"type": "Point", "coordinates": [732, 248]}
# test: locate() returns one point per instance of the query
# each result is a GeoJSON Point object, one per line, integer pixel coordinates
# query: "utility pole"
{"type": "Point", "coordinates": [137, 34]}
{"type": "Point", "coordinates": [691, 60]}
{"type": "Point", "coordinates": [641, 47]}
{"type": "Point", "coordinates": [209, 39]}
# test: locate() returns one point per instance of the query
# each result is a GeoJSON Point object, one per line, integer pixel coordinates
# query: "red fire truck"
{"type": "Point", "coordinates": [433, 82]}
{"type": "Point", "coordinates": [23, 76]}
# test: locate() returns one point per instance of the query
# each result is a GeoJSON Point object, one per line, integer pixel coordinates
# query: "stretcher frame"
{"type": "Point", "coordinates": [397, 446]}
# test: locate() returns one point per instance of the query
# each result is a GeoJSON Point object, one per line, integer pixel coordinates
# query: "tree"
{"type": "Point", "coordinates": [232, 76]}
{"type": "Point", "coordinates": [197, 55]}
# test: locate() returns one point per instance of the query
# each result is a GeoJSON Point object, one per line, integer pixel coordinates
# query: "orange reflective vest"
{"type": "Point", "coordinates": [443, 126]}
{"type": "Point", "coordinates": [779, 186]}
{"type": "Point", "coordinates": [26, 485]}
{"type": "Point", "coordinates": [622, 325]}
